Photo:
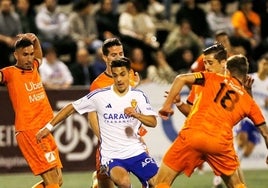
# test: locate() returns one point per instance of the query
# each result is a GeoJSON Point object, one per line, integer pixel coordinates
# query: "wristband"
{"type": "Point", "coordinates": [49, 126]}
{"type": "Point", "coordinates": [178, 104]}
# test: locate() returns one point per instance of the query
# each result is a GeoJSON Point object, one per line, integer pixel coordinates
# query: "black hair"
{"type": "Point", "coordinates": [22, 43]}
{"type": "Point", "coordinates": [218, 50]}
{"type": "Point", "coordinates": [238, 65]}
{"type": "Point", "coordinates": [108, 43]}
{"type": "Point", "coordinates": [122, 62]}
{"type": "Point", "coordinates": [79, 5]}
{"type": "Point", "coordinates": [220, 33]}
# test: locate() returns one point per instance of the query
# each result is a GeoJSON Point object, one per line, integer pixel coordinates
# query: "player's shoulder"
{"type": "Point", "coordinates": [137, 91]}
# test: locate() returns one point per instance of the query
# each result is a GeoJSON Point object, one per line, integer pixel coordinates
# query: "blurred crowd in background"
{"type": "Point", "coordinates": [161, 37]}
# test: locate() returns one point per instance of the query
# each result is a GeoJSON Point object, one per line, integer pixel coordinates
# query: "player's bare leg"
{"type": "Point", "coordinates": [52, 178]}
{"type": "Point", "coordinates": [233, 181]}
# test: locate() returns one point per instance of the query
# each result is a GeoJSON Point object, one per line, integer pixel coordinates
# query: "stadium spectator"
{"type": "Point", "coordinates": [217, 19]}
{"type": "Point", "coordinates": [179, 38]}
{"type": "Point", "coordinates": [138, 62]}
{"type": "Point", "coordinates": [197, 18]}
{"type": "Point", "coordinates": [161, 72]}
{"type": "Point", "coordinates": [53, 26]}
{"type": "Point", "coordinates": [82, 70]}
{"type": "Point", "coordinates": [83, 28]}
{"type": "Point", "coordinates": [27, 16]}
{"type": "Point", "coordinates": [107, 20]}
{"type": "Point", "coordinates": [137, 29]}
{"type": "Point", "coordinates": [54, 73]}
{"type": "Point", "coordinates": [247, 23]}
{"type": "Point", "coordinates": [98, 63]}
{"type": "Point", "coordinates": [10, 26]}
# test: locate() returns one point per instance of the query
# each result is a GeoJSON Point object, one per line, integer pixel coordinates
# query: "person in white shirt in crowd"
{"type": "Point", "coordinates": [54, 27]}
{"type": "Point", "coordinates": [217, 19]}
{"type": "Point", "coordinates": [54, 73]}
{"type": "Point", "coordinates": [83, 27]}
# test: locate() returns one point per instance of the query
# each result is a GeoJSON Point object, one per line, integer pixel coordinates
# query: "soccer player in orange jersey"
{"type": "Point", "coordinates": [214, 59]}
{"type": "Point", "coordinates": [32, 111]}
{"type": "Point", "coordinates": [207, 132]}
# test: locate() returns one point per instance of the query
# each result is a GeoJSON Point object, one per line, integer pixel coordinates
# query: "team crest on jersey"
{"type": "Point", "coordinates": [134, 103]}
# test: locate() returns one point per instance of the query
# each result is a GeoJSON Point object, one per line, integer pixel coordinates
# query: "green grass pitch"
{"type": "Point", "coordinates": [254, 179]}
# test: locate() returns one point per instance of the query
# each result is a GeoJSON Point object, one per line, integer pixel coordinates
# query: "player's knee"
{"type": "Point", "coordinates": [123, 181]}
{"type": "Point", "coordinates": [152, 181]}
{"type": "Point", "coordinates": [246, 154]}
{"type": "Point", "coordinates": [53, 176]}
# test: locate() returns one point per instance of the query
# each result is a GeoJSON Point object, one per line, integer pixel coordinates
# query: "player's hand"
{"type": "Point", "coordinates": [248, 82]}
{"type": "Point", "coordinates": [30, 36]}
{"type": "Point", "coordinates": [41, 134]}
{"type": "Point", "coordinates": [130, 111]}
{"type": "Point", "coordinates": [164, 113]}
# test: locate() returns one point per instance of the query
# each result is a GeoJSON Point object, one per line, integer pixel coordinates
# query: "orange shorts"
{"type": "Point", "coordinates": [193, 147]}
{"type": "Point", "coordinates": [39, 156]}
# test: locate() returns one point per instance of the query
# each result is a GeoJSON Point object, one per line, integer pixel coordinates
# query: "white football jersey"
{"type": "Point", "coordinates": [260, 92]}
{"type": "Point", "coordinates": [114, 123]}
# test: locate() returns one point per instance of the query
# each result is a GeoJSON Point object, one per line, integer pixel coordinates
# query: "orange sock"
{"type": "Point", "coordinates": [39, 185]}
{"type": "Point", "coordinates": [162, 185]}
{"type": "Point", "coordinates": [240, 186]}
{"type": "Point", "coordinates": [53, 186]}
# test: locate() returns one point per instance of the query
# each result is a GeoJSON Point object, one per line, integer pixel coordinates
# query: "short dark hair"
{"type": "Point", "coordinates": [108, 43]}
{"type": "Point", "coordinates": [22, 43]}
{"type": "Point", "coordinates": [121, 62]}
{"type": "Point", "coordinates": [79, 5]}
{"type": "Point", "coordinates": [238, 64]}
{"type": "Point", "coordinates": [218, 50]}
{"type": "Point", "coordinates": [220, 33]}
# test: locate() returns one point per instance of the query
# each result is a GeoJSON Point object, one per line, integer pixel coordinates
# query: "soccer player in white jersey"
{"type": "Point", "coordinates": [121, 110]}
{"type": "Point", "coordinates": [248, 135]}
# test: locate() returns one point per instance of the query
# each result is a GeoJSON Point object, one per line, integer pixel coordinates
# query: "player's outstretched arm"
{"type": "Point", "coordinates": [176, 87]}
{"type": "Point", "coordinates": [184, 108]}
{"type": "Point", "coordinates": [94, 123]}
{"type": "Point", "coordinates": [264, 132]}
{"type": "Point", "coordinates": [1, 77]}
{"type": "Point", "coordinates": [59, 117]}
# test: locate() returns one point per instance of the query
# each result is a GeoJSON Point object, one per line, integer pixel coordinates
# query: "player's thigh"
{"type": "Point", "coordinates": [242, 138]}
{"type": "Point", "coordinates": [165, 174]}
{"type": "Point", "coordinates": [249, 149]}
{"type": "Point", "coordinates": [52, 176]}
{"type": "Point", "coordinates": [120, 175]}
